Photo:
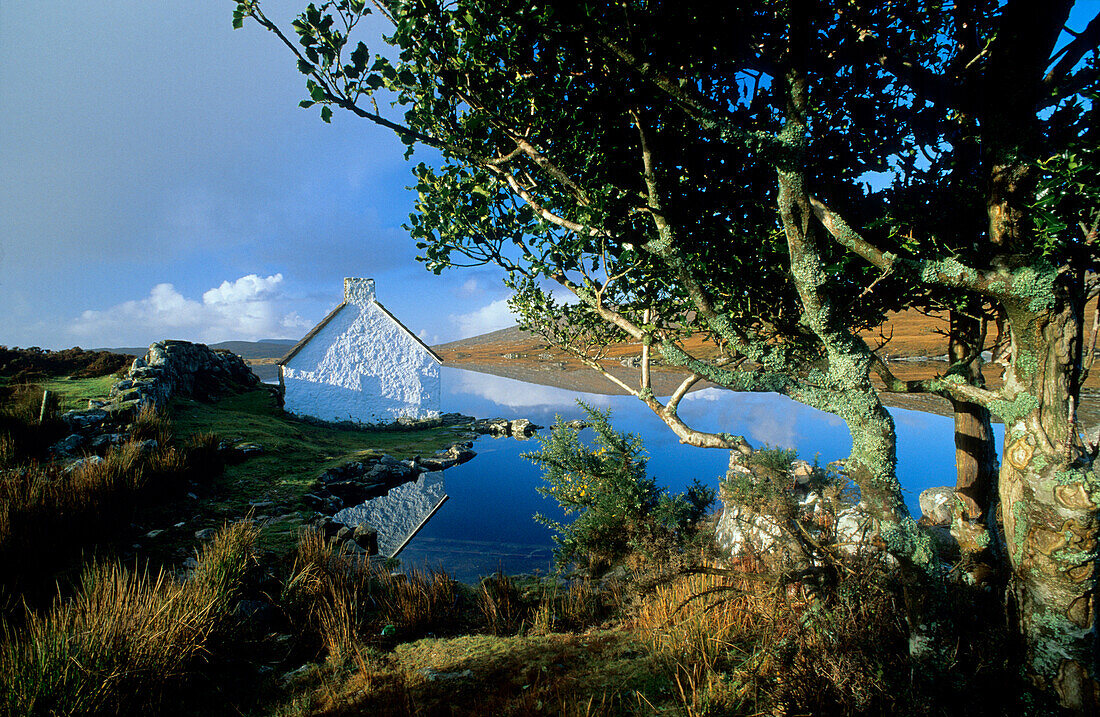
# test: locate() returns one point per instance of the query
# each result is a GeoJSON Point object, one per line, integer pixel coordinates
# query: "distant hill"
{"type": "Point", "coordinates": [511, 335]}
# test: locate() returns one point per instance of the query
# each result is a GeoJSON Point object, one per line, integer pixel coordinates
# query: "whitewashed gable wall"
{"type": "Point", "coordinates": [362, 366]}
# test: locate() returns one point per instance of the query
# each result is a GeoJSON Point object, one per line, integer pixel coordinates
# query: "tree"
{"type": "Point", "coordinates": [774, 176]}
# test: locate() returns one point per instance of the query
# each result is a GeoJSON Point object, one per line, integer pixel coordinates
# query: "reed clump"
{"type": "Point", "coordinates": [349, 602]}
{"type": "Point", "coordinates": [124, 637]}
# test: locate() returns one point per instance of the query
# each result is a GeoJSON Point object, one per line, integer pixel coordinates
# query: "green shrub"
{"type": "Point", "coordinates": [620, 510]}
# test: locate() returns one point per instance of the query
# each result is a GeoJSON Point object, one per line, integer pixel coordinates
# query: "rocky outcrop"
{"type": "Point", "coordinates": [813, 515]}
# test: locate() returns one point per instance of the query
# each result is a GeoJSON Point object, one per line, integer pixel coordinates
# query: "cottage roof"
{"type": "Point", "coordinates": [332, 314]}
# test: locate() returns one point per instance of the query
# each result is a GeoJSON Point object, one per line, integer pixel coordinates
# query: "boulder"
{"type": "Point", "coordinates": [81, 462]}
{"type": "Point", "coordinates": [523, 428]}
{"type": "Point", "coordinates": [69, 446]}
{"type": "Point", "coordinates": [937, 504]}
{"type": "Point", "coordinates": [366, 537]}
{"type": "Point", "coordinates": [801, 472]}
{"type": "Point", "coordinates": [84, 420]}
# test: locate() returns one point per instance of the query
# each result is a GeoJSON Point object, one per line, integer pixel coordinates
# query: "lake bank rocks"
{"type": "Point", "coordinates": [813, 515]}
{"type": "Point", "coordinates": [353, 483]}
{"type": "Point", "coordinates": [497, 427]}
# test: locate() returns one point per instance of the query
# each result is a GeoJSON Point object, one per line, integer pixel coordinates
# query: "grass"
{"type": "Point", "coordinates": [47, 513]}
{"type": "Point", "coordinates": [74, 393]}
{"type": "Point", "coordinates": [124, 638]}
{"type": "Point", "coordinates": [295, 454]}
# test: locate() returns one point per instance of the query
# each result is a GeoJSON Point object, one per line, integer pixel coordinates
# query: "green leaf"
{"type": "Point", "coordinates": [306, 103]}
{"type": "Point", "coordinates": [326, 113]}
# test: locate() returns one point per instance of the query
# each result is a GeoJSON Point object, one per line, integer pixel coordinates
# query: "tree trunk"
{"type": "Point", "coordinates": [1050, 503]}
{"type": "Point", "coordinates": [973, 523]}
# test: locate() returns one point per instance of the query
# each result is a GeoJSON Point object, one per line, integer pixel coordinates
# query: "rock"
{"type": "Point", "coordinates": [366, 537]}
{"type": "Point", "coordinates": [82, 462]}
{"type": "Point", "coordinates": [343, 534]}
{"type": "Point", "coordinates": [350, 492]}
{"type": "Point", "coordinates": [84, 420]}
{"type": "Point", "coordinates": [331, 528]}
{"type": "Point", "coordinates": [523, 428]}
{"type": "Point", "coordinates": [260, 504]}
{"type": "Point", "coordinates": [69, 446]}
{"type": "Point", "coordinates": [493, 426]}
{"type": "Point", "coordinates": [801, 472]}
{"type": "Point", "coordinates": [313, 500]}
{"type": "Point", "coordinates": [453, 456]}
{"type": "Point", "coordinates": [205, 533]}
{"type": "Point", "coordinates": [103, 441]}
{"type": "Point", "coordinates": [937, 504]}
{"type": "Point", "coordinates": [434, 676]}
{"type": "Point", "coordinates": [295, 674]}
{"type": "Point", "coordinates": [854, 528]}
{"type": "Point", "coordinates": [247, 450]}
{"type": "Point", "coordinates": [947, 546]}
{"type": "Point", "coordinates": [153, 533]}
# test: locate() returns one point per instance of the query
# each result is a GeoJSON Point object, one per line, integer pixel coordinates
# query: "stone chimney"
{"type": "Point", "coordinates": [359, 292]}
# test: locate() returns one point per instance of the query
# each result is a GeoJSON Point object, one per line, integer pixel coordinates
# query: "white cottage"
{"type": "Point", "coordinates": [360, 364]}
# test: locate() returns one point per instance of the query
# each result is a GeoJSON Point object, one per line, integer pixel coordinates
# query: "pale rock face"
{"type": "Point", "coordinates": [937, 504]}
{"type": "Point", "coordinates": [362, 367]}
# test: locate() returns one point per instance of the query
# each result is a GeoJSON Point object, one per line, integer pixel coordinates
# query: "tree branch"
{"type": "Point", "coordinates": [1085, 42]}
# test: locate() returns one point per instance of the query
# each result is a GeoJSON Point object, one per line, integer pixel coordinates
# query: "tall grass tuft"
{"type": "Point", "coordinates": [151, 424]}
{"type": "Point", "coordinates": [502, 605]}
{"type": "Point", "coordinates": [346, 601]}
{"type": "Point", "coordinates": [124, 637]}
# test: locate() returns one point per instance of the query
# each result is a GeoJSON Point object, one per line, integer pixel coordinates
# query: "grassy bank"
{"type": "Point", "coordinates": [292, 455]}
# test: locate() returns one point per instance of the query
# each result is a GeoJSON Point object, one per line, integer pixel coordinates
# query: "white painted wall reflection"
{"type": "Point", "coordinates": [398, 515]}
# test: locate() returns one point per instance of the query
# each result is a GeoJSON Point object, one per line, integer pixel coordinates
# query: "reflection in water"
{"type": "Point", "coordinates": [401, 513]}
{"type": "Point", "coordinates": [509, 393]}
{"type": "Point", "coordinates": [487, 525]}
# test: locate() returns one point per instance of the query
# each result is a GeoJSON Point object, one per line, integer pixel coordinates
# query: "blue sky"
{"type": "Point", "coordinates": [157, 180]}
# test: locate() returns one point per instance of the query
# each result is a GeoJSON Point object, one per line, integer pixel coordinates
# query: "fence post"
{"type": "Point", "coordinates": [42, 411]}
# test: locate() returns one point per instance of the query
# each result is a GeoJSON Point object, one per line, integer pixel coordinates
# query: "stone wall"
{"type": "Point", "coordinates": [179, 367]}
{"type": "Point", "coordinates": [169, 368]}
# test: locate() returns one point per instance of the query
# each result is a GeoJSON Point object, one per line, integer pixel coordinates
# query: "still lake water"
{"type": "Point", "coordinates": [487, 522]}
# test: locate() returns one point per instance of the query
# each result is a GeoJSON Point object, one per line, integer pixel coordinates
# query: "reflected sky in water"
{"type": "Point", "coordinates": [493, 497]}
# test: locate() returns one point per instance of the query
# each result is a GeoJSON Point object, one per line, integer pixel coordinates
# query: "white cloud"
{"type": "Point", "coordinates": [247, 288]}
{"type": "Point", "coordinates": [250, 308]}
{"type": "Point", "coordinates": [470, 287]}
{"type": "Point", "coordinates": [488, 318]}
